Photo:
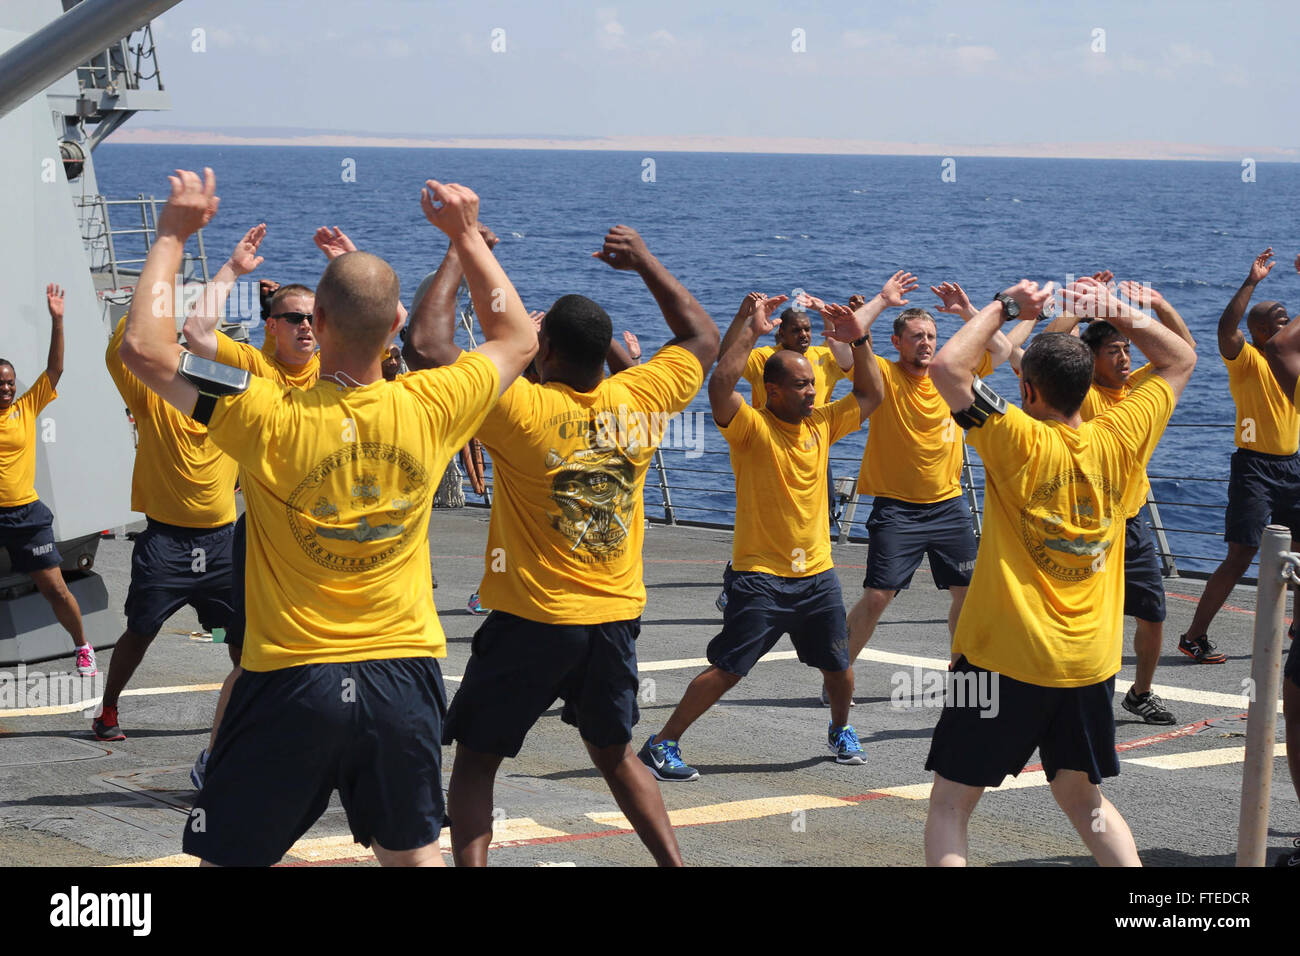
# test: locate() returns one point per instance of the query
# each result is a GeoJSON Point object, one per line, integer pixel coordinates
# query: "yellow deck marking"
{"type": "Point", "coordinates": [1200, 758]}
{"type": "Point", "coordinates": [733, 811]}
{"type": "Point", "coordinates": [91, 702]}
{"type": "Point", "coordinates": [921, 791]}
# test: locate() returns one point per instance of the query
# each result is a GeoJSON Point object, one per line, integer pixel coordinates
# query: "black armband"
{"type": "Point", "coordinates": [213, 380]}
{"type": "Point", "coordinates": [987, 402]}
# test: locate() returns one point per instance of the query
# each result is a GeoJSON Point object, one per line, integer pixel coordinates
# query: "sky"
{"type": "Point", "coordinates": [932, 72]}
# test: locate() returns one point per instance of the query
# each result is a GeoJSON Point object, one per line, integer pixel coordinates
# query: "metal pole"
{"type": "Point", "coordinates": [968, 485]}
{"type": "Point", "coordinates": [1162, 542]}
{"type": "Point", "coordinates": [63, 44]}
{"type": "Point", "coordinates": [663, 488]}
{"type": "Point", "coordinates": [1265, 669]}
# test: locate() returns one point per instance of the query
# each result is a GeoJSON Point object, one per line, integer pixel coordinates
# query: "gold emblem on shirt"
{"type": "Point", "coordinates": [1069, 546]}
{"type": "Point", "coordinates": [594, 488]}
{"type": "Point", "coordinates": [350, 512]}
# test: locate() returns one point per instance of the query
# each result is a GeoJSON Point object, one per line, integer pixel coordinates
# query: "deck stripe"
{"type": "Point", "coordinates": [1199, 758]}
{"type": "Point", "coordinates": [93, 702]}
{"type": "Point", "coordinates": [732, 811]}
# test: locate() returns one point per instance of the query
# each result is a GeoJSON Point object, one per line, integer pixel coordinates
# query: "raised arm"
{"type": "Point", "coordinates": [691, 326]}
{"type": "Point", "coordinates": [54, 361]}
{"type": "Point", "coordinates": [511, 340]}
{"type": "Point", "coordinates": [952, 370]}
{"type": "Point", "coordinates": [842, 353]}
{"type": "Point", "coordinates": [849, 327]}
{"type": "Point", "coordinates": [954, 301]}
{"type": "Point", "coordinates": [149, 347]}
{"type": "Point", "coordinates": [200, 328]}
{"type": "Point", "coordinates": [1283, 353]}
{"type": "Point", "coordinates": [1231, 339]}
{"type": "Point", "coordinates": [431, 333]}
{"type": "Point", "coordinates": [753, 319]}
{"type": "Point", "coordinates": [620, 358]}
{"type": "Point", "coordinates": [1172, 358]}
{"type": "Point", "coordinates": [1145, 297]}
{"type": "Point", "coordinates": [334, 243]}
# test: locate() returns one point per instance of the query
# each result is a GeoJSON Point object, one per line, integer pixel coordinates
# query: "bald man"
{"type": "Point", "coordinates": [1264, 486]}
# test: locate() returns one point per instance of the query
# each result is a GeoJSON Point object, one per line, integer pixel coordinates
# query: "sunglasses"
{"type": "Point", "coordinates": [296, 318]}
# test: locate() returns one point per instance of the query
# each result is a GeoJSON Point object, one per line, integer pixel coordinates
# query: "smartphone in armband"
{"type": "Point", "coordinates": [213, 380]}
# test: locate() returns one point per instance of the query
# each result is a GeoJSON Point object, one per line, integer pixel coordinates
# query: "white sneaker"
{"type": "Point", "coordinates": [86, 665]}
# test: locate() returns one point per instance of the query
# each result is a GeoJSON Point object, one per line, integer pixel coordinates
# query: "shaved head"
{"type": "Point", "coordinates": [357, 296]}
{"type": "Point", "coordinates": [1265, 319]}
{"type": "Point", "coordinates": [785, 365]}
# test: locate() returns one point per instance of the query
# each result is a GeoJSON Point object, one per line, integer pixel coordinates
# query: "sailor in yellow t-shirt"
{"type": "Point", "coordinates": [1113, 380]}
{"type": "Point", "coordinates": [1041, 634]}
{"type": "Point", "coordinates": [911, 466]}
{"type": "Point", "coordinates": [341, 688]}
{"type": "Point", "coordinates": [781, 578]}
{"type": "Point", "coordinates": [563, 571]}
{"type": "Point", "coordinates": [26, 524]}
{"type": "Point", "coordinates": [1264, 483]}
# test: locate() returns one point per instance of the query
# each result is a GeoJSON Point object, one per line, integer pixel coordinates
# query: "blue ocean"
{"type": "Point", "coordinates": [726, 224]}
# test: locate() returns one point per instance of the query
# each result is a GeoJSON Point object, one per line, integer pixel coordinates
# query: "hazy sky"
{"type": "Point", "coordinates": [961, 73]}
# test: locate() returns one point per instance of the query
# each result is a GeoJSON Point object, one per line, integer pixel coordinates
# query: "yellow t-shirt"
{"type": "Point", "coordinates": [180, 475]}
{"type": "Point", "coordinates": [338, 484]}
{"type": "Point", "coordinates": [1046, 599]}
{"type": "Point", "coordinates": [1100, 398]}
{"type": "Point", "coordinates": [18, 444]}
{"type": "Point", "coordinates": [782, 524]}
{"type": "Point", "coordinates": [826, 372]}
{"type": "Point", "coordinates": [564, 542]}
{"type": "Point", "coordinates": [1266, 420]}
{"type": "Point", "coordinates": [914, 447]}
{"type": "Point", "coordinates": [266, 365]}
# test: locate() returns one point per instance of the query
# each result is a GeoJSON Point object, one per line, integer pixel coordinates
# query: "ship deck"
{"type": "Point", "coordinates": [770, 792]}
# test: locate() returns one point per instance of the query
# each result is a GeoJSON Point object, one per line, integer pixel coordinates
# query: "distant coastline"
{"type": "Point", "coordinates": [178, 136]}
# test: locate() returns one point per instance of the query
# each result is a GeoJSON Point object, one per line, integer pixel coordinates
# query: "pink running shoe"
{"type": "Point", "coordinates": [86, 665]}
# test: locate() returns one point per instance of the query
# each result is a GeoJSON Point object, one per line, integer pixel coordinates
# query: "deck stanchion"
{"type": "Point", "coordinates": [1276, 567]}
{"type": "Point", "coordinates": [663, 488]}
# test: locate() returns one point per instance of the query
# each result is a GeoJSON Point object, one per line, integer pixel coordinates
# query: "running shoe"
{"type": "Point", "coordinates": [844, 741]}
{"type": "Point", "coordinates": [826, 698]}
{"type": "Point", "coordinates": [1149, 707]}
{"type": "Point", "coordinates": [1201, 650]}
{"type": "Point", "coordinates": [665, 761]}
{"type": "Point", "coordinates": [435, 581]}
{"type": "Point", "coordinates": [475, 607]}
{"type": "Point", "coordinates": [720, 602]}
{"type": "Point", "coordinates": [86, 665]}
{"type": "Point", "coordinates": [105, 725]}
{"type": "Point", "coordinates": [1292, 859]}
{"type": "Point", "coordinates": [200, 770]}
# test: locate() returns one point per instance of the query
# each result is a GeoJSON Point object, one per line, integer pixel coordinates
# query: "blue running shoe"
{"type": "Point", "coordinates": [665, 761]}
{"type": "Point", "coordinates": [721, 601]}
{"type": "Point", "coordinates": [844, 741]}
{"type": "Point", "coordinates": [475, 607]}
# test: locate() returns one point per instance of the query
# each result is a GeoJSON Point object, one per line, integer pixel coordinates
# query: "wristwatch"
{"type": "Point", "coordinates": [1010, 307]}
{"type": "Point", "coordinates": [858, 343]}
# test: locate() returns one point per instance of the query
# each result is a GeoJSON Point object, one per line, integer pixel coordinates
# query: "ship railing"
{"type": "Point", "coordinates": [125, 65]}
{"type": "Point", "coordinates": [677, 494]}
{"type": "Point", "coordinates": [118, 250]}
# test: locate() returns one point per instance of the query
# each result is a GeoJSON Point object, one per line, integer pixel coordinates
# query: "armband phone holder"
{"type": "Point", "coordinates": [987, 402]}
{"type": "Point", "coordinates": [213, 380]}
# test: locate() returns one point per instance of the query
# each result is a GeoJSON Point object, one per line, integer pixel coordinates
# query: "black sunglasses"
{"type": "Point", "coordinates": [295, 317]}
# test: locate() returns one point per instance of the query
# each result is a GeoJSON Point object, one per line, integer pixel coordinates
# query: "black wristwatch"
{"type": "Point", "coordinates": [858, 343]}
{"type": "Point", "coordinates": [1010, 307]}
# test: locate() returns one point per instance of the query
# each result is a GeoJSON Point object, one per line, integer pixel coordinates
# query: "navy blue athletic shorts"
{"type": "Point", "coordinates": [369, 729]}
{"type": "Point", "coordinates": [1072, 727]}
{"type": "Point", "coordinates": [1292, 669]}
{"type": "Point", "coordinates": [173, 566]}
{"type": "Point", "coordinates": [518, 668]}
{"type": "Point", "coordinates": [761, 607]}
{"type": "Point", "coordinates": [900, 534]}
{"type": "Point", "coordinates": [27, 533]}
{"type": "Point", "coordinates": [1144, 588]}
{"type": "Point", "coordinates": [238, 564]}
{"type": "Point", "coordinates": [1262, 490]}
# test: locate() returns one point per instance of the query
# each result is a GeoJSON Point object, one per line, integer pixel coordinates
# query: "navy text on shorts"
{"type": "Point", "coordinates": [901, 533]}
{"type": "Point", "coordinates": [27, 533]}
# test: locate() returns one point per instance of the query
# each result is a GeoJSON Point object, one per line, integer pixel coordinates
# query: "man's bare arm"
{"type": "Point", "coordinates": [511, 340]}
{"type": "Point", "coordinates": [1231, 339]}
{"type": "Point", "coordinates": [200, 329]}
{"type": "Point", "coordinates": [691, 326]}
{"type": "Point", "coordinates": [1145, 297]}
{"type": "Point", "coordinates": [431, 333]}
{"type": "Point", "coordinates": [149, 348]}
{"type": "Point", "coordinates": [753, 319]}
{"type": "Point", "coordinates": [868, 382]}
